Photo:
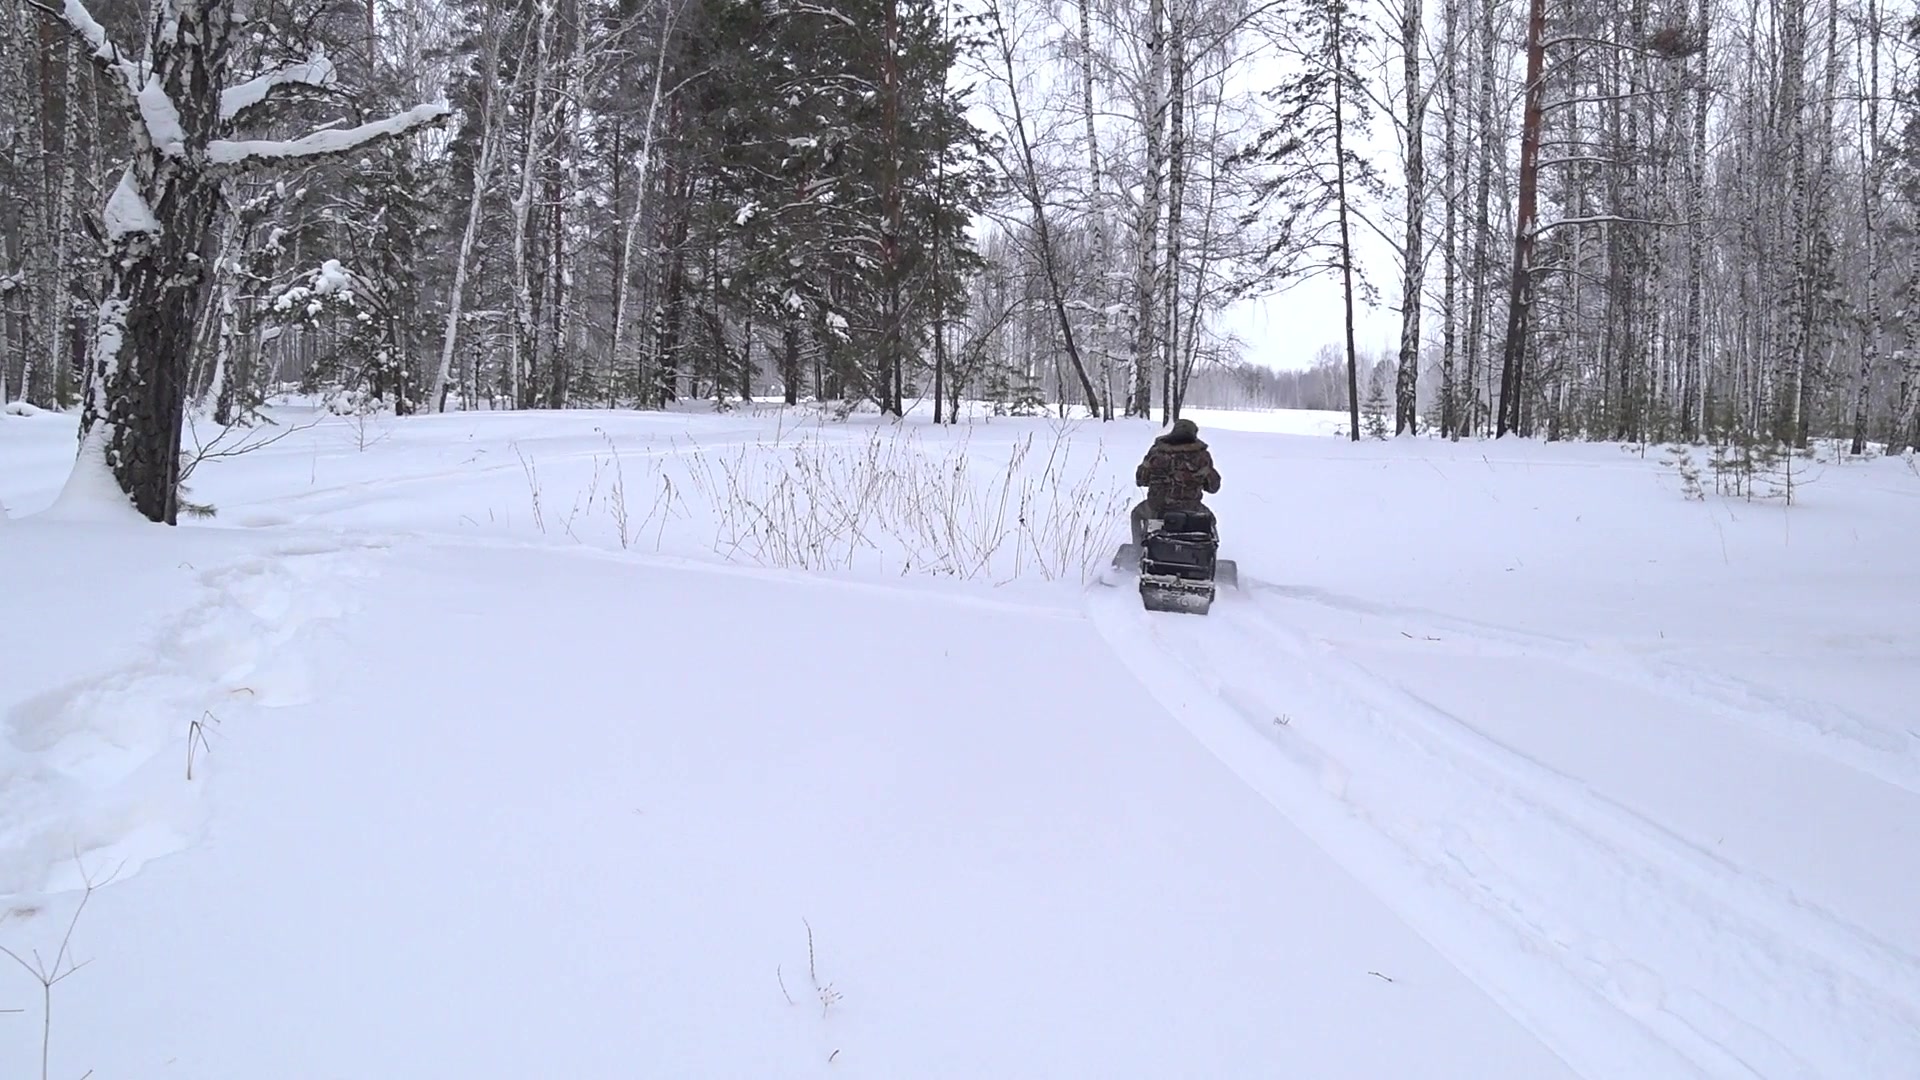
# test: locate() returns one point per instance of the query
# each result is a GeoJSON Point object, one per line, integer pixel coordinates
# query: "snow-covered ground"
{"type": "Point", "coordinates": [614, 744]}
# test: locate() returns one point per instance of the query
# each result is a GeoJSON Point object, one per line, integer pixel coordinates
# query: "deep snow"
{"type": "Point", "coordinates": [533, 744]}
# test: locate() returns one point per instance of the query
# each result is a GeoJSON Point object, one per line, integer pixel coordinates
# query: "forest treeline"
{"type": "Point", "coordinates": [1649, 219]}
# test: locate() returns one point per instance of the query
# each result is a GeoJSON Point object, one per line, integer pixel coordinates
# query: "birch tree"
{"type": "Point", "coordinates": [188, 114]}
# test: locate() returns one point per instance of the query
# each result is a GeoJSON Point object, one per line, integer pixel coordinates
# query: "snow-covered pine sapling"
{"type": "Point", "coordinates": [1776, 475]}
{"type": "Point", "coordinates": [1374, 421]}
{"type": "Point", "coordinates": [186, 114]}
{"type": "Point", "coordinates": [1680, 459]}
{"type": "Point", "coordinates": [1733, 462]}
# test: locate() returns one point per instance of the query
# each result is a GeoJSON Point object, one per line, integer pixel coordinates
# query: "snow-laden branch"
{"type": "Point", "coordinates": [73, 14]}
{"type": "Point", "coordinates": [235, 153]}
{"type": "Point", "coordinates": [160, 120]}
{"type": "Point", "coordinates": [803, 8]}
{"type": "Point", "coordinates": [317, 73]}
{"type": "Point", "coordinates": [1605, 219]}
{"type": "Point", "coordinates": [160, 117]}
{"type": "Point", "coordinates": [127, 211]}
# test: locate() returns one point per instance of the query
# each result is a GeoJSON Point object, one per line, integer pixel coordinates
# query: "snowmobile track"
{"type": "Point", "coordinates": [1805, 726]}
{"type": "Point", "coordinates": [1843, 941]}
{"type": "Point", "coordinates": [1618, 906]}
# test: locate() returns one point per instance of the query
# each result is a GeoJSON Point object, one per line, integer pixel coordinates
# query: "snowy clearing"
{"type": "Point", "coordinates": [539, 744]}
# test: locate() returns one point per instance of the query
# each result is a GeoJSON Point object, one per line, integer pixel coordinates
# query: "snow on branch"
{"type": "Point", "coordinates": [804, 8]}
{"type": "Point", "coordinates": [74, 15]}
{"type": "Point", "coordinates": [1605, 219]}
{"type": "Point", "coordinates": [317, 73]}
{"type": "Point", "coordinates": [127, 210]}
{"type": "Point", "coordinates": [243, 152]}
{"type": "Point", "coordinates": [160, 120]}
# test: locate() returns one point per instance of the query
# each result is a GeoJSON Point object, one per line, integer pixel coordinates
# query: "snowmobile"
{"type": "Point", "coordinates": [1179, 562]}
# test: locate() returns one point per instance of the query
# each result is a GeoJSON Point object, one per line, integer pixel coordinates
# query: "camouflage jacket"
{"type": "Point", "coordinates": [1177, 471]}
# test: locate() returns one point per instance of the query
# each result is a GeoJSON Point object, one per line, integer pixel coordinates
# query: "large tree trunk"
{"type": "Point", "coordinates": [891, 315]}
{"type": "Point", "coordinates": [1871, 187]}
{"type": "Point", "coordinates": [1176, 205]}
{"type": "Point", "coordinates": [790, 354]}
{"type": "Point", "coordinates": [1147, 231]}
{"type": "Point", "coordinates": [1406, 414]}
{"type": "Point", "coordinates": [1450, 243]}
{"type": "Point", "coordinates": [1102, 245]}
{"type": "Point", "coordinates": [38, 324]}
{"type": "Point", "coordinates": [1693, 375]}
{"type": "Point", "coordinates": [522, 355]}
{"type": "Point", "coordinates": [631, 230]}
{"type": "Point", "coordinates": [1792, 310]}
{"type": "Point", "coordinates": [143, 341]}
{"type": "Point", "coordinates": [1337, 54]}
{"type": "Point", "coordinates": [1481, 262]}
{"type": "Point", "coordinates": [1520, 287]}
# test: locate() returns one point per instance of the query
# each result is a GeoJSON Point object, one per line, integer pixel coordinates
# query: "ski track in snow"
{"type": "Point", "coordinates": [96, 775]}
{"type": "Point", "coordinates": [1813, 726]}
{"type": "Point", "coordinates": [1708, 969]}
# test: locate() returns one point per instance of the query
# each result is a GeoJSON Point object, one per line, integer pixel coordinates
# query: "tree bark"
{"type": "Point", "coordinates": [1870, 194]}
{"type": "Point", "coordinates": [1146, 281]}
{"type": "Point", "coordinates": [1176, 200]}
{"type": "Point", "coordinates": [1520, 286]}
{"type": "Point", "coordinates": [1450, 242]}
{"type": "Point", "coordinates": [1406, 415]}
{"type": "Point", "coordinates": [1337, 54]}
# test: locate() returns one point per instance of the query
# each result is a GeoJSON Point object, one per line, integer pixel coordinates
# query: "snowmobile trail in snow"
{"type": "Point", "coordinates": [1627, 949]}
{"type": "Point", "coordinates": [1822, 728]}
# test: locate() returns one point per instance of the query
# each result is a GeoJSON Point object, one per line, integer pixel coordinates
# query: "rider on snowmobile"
{"type": "Point", "coordinates": [1175, 472]}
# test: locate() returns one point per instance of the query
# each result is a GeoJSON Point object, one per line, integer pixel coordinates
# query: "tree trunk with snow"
{"type": "Point", "coordinates": [182, 117]}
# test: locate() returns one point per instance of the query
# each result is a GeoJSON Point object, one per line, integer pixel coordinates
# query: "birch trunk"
{"type": "Point", "coordinates": [1413, 280]}
{"type": "Point", "coordinates": [1450, 260]}
{"type": "Point", "coordinates": [1146, 281]}
{"type": "Point", "coordinates": [1337, 56]}
{"type": "Point", "coordinates": [1482, 221]}
{"type": "Point", "coordinates": [1103, 318]}
{"type": "Point", "coordinates": [1176, 198]}
{"type": "Point", "coordinates": [456, 297]}
{"type": "Point", "coordinates": [523, 345]}
{"type": "Point", "coordinates": [1872, 186]}
{"type": "Point", "coordinates": [1693, 392]}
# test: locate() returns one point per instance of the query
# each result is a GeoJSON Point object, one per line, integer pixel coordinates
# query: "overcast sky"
{"type": "Point", "coordinates": [1289, 330]}
{"type": "Point", "coordinates": [1286, 331]}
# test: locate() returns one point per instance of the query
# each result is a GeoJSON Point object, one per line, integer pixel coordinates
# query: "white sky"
{"type": "Point", "coordinates": [1287, 331]}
